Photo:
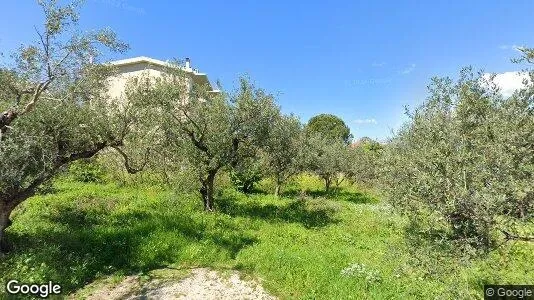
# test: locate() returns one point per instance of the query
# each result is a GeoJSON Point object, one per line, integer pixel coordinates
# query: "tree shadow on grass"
{"type": "Point", "coordinates": [84, 246]}
{"type": "Point", "coordinates": [295, 211]}
{"type": "Point", "coordinates": [355, 197]}
{"type": "Point", "coordinates": [334, 194]}
{"type": "Point", "coordinates": [257, 191]}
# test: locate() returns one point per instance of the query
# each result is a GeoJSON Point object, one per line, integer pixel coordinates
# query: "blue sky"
{"type": "Point", "coordinates": [361, 60]}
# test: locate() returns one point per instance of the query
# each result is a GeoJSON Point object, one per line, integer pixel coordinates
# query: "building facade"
{"type": "Point", "coordinates": [146, 67]}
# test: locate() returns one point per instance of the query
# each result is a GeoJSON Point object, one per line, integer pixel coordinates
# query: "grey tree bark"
{"type": "Point", "coordinates": [207, 190]}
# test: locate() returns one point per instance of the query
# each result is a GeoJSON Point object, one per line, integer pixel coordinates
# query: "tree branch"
{"type": "Point", "coordinates": [45, 41]}
{"type": "Point", "coordinates": [127, 165]}
{"type": "Point", "coordinates": [8, 116]}
{"type": "Point", "coordinates": [198, 143]}
{"type": "Point", "coordinates": [86, 153]}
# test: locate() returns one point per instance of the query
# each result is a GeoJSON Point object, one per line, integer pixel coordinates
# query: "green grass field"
{"type": "Point", "coordinates": [348, 245]}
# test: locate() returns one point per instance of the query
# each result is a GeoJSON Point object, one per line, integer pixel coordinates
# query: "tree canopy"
{"type": "Point", "coordinates": [209, 131]}
{"type": "Point", "coordinates": [461, 168]}
{"type": "Point", "coordinates": [330, 127]}
{"type": "Point", "coordinates": [284, 149]}
{"type": "Point", "coordinates": [54, 109]}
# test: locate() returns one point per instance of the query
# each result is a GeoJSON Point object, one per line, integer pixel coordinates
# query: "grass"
{"type": "Point", "coordinates": [306, 245]}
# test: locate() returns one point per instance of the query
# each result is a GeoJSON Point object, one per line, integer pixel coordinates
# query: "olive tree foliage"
{"type": "Point", "coordinates": [463, 166]}
{"type": "Point", "coordinates": [284, 150]}
{"type": "Point", "coordinates": [363, 163]}
{"type": "Point", "coordinates": [52, 108]}
{"type": "Point", "coordinates": [248, 168]}
{"type": "Point", "coordinates": [330, 127]}
{"type": "Point", "coordinates": [209, 131]}
{"type": "Point", "coordinates": [518, 116]}
{"type": "Point", "coordinates": [327, 158]}
{"type": "Point", "coordinates": [279, 156]}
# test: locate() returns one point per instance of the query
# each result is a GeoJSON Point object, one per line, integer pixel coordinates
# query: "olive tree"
{"type": "Point", "coordinates": [53, 108]}
{"type": "Point", "coordinates": [284, 150]}
{"type": "Point", "coordinates": [327, 158]}
{"type": "Point", "coordinates": [463, 165]}
{"type": "Point", "coordinates": [279, 155]}
{"type": "Point", "coordinates": [363, 163]}
{"type": "Point", "coordinates": [515, 138]}
{"type": "Point", "coordinates": [208, 129]}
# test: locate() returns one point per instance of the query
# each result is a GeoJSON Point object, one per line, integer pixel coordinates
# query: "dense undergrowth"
{"type": "Point", "coordinates": [308, 244]}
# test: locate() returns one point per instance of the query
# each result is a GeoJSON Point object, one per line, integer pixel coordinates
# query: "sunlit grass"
{"type": "Point", "coordinates": [307, 244]}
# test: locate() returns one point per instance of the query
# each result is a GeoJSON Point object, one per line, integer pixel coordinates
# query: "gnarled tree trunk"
{"type": "Point", "coordinates": [8, 203]}
{"type": "Point", "coordinates": [206, 191]}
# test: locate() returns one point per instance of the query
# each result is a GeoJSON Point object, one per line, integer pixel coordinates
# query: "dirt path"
{"type": "Point", "coordinates": [201, 283]}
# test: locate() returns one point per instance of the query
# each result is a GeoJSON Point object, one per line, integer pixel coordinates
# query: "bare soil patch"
{"type": "Point", "coordinates": [200, 283]}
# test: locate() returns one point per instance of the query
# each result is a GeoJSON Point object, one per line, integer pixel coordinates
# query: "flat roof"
{"type": "Point", "coordinates": [202, 77]}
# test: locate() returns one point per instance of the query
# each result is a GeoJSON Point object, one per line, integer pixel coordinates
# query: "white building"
{"type": "Point", "coordinates": [138, 67]}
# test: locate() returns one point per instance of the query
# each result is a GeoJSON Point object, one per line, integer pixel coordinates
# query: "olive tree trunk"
{"type": "Point", "coordinates": [8, 204]}
{"type": "Point", "coordinates": [206, 191]}
{"type": "Point", "coordinates": [278, 188]}
{"type": "Point", "coordinates": [5, 222]}
{"type": "Point", "coordinates": [327, 183]}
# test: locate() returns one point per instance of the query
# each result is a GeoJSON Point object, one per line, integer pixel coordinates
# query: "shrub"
{"type": "Point", "coordinates": [86, 170]}
{"type": "Point", "coordinates": [245, 179]}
